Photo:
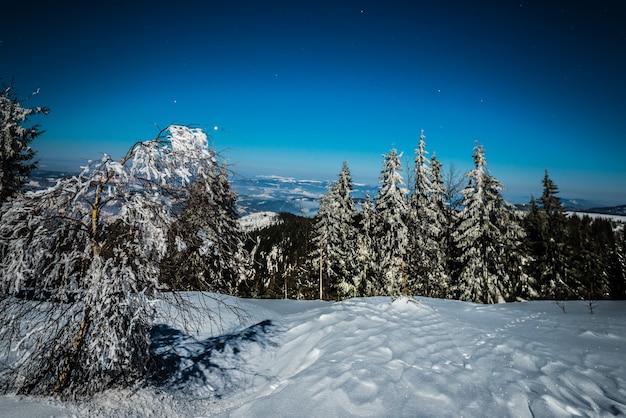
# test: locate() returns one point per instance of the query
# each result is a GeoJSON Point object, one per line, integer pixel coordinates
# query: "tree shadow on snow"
{"type": "Point", "coordinates": [214, 366]}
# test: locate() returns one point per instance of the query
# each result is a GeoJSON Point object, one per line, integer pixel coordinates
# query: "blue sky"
{"type": "Point", "coordinates": [296, 87]}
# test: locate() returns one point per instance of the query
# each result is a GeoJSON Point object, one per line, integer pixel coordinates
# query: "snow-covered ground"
{"type": "Point", "coordinates": [259, 220]}
{"type": "Point", "coordinates": [610, 217]}
{"type": "Point", "coordinates": [372, 357]}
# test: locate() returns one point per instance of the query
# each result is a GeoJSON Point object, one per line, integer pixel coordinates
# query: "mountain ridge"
{"type": "Point", "coordinates": [272, 193]}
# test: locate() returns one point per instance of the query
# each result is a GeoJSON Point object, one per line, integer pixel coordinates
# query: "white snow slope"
{"type": "Point", "coordinates": [372, 357]}
{"type": "Point", "coordinates": [259, 220]}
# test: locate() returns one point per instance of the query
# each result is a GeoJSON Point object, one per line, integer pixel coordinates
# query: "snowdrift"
{"type": "Point", "coordinates": [375, 357]}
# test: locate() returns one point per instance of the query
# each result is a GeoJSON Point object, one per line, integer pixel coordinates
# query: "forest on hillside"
{"type": "Point", "coordinates": [441, 237]}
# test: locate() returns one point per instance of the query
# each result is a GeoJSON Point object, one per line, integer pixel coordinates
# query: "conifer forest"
{"type": "Point", "coordinates": [438, 236]}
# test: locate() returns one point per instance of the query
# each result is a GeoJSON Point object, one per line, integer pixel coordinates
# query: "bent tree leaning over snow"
{"type": "Point", "coordinates": [79, 281]}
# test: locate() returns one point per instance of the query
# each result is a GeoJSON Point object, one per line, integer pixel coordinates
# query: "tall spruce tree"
{"type": "Point", "coordinates": [488, 239]}
{"type": "Point", "coordinates": [335, 238]}
{"type": "Point", "coordinates": [605, 240]}
{"type": "Point", "coordinates": [534, 224]}
{"type": "Point", "coordinates": [587, 259]}
{"type": "Point", "coordinates": [322, 242]}
{"type": "Point", "coordinates": [366, 254]}
{"type": "Point", "coordinates": [390, 230]}
{"type": "Point", "coordinates": [426, 266]}
{"type": "Point", "coordinates": [449, 210]}
{"type": "Point", "coordinates": [344, 255]}
{"type": "Point", "coordinates": [16, 155]}
{"type": "Point", "coordinates": [550, 260]}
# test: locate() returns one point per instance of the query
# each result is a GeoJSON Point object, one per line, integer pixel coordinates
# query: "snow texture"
{"type": "Point", "coordinates": [259, 220]}
{"type": "Point", "coordinates": [375, 357]}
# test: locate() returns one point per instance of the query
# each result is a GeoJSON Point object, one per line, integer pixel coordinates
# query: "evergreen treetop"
{"type": "Point", "coordinates": [16, 155]}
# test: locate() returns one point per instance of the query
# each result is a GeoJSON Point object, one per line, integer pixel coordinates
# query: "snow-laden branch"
{"type": "Point", "coordinates": [88, 251]}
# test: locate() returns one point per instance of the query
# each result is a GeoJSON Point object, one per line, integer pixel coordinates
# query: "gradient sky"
{"type": "Point", "coordinates": [296, 87]}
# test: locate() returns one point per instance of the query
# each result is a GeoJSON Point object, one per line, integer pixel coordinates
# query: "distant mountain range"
{"type": "Point", "coordinates": [579, 205]}
{"type": "Point", "coordinates": [285, 194]}
{"type": "Point", "coordinates": [301, 197]}
{"type": "Point", "coordinates": [612, 210]}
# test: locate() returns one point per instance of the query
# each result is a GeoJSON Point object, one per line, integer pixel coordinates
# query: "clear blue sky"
{"type": "Point", "coordinates": [296, 87]}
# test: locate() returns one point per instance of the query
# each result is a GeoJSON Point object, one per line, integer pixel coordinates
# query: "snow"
{"type": "Point", "coordinates": [593, 215]}
{"type": "Point", "coordinates": [378, 357]}
{"type": "Point", "coordinates": [259, 220]}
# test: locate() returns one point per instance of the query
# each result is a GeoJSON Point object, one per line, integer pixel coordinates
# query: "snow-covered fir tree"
{"type": "Point", "coordinates": [589, 245]}
{"type": "Point", "coordinates": [365, 251]}
{"type": "Point", "coordinates": [441, 199]}
{"type": "Point", "coordinates": [206, 242]}
{"type": "Point", "coordinates": [547, 225]}
{"type": "Point", "coordinates": [345, 256]}
{"type": "Point", "coordinates": [426, 266]}
{"type": "Point", "coordinates": [488, 239]}
{"type": "Point", "coordinates": [322, 243]}
{"type": "Point", "coordinates": [335, 236]}
{"type": "Point", "coordinates": [390, 236]}
{"type": "Point", "coordinates": [604, 241]}
{"type": "Point", "coordinates": [81, 285]}
{"type": "Point", "coordinates": [16, 155]}
{"type": "Point", "coordinates": [534, 226]}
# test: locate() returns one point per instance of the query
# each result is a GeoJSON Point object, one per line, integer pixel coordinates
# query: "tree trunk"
{"type": "Point", "coordinates": [70, 359]}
